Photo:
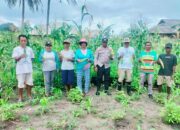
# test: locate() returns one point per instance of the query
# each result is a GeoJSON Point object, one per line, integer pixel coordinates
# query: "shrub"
{"type": "Point", "coordinates": [171, 113]}
{"type": "Point", "coordinates": [122, 97]}
{"type": "Point", "coordinates": [75, 95]}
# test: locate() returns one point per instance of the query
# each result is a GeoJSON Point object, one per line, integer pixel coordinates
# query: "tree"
{"type": "Point", "coordinates": [74, 2]}
{"type": "Point", "coordinates": [33, 5]}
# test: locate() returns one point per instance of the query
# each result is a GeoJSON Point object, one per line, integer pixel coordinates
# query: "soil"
{"type": "Point", "coordinates": [143, 114]}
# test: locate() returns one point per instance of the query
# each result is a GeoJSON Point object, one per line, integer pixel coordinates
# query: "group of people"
{"type": "Point", "coordinates": [83, 58]}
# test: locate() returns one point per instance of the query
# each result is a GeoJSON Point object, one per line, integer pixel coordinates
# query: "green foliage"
{"type": "Point", "coordinates": [122, 98]}
{"type": "Point", "coordinates": [87, 104]}
{"type": "Point", "coordinates": [8, 111]}
{"type": "Point", "coordinates": [44, 107]}
{"type": "Point", "coordinates": [75, 95]}
{"type": "Point", "coordinates": [171, 113]}
{"type": "Point", "coordinates": [118, 115]}
{"type": "Point", "coordinates": [24, 118]}
{"type": "Point", "coordinates": [160, 98]}
{"type": "Point", "coordinates": [57, 93]}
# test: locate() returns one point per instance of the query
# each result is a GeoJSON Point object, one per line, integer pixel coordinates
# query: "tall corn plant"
{"type": "Point", "coordinates": [139, 34]}
{"type": "Point", "coordinates": [84, 13]}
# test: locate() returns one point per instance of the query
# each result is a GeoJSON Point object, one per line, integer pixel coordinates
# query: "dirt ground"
{"type": "Point", "coordinates": [143, 114]}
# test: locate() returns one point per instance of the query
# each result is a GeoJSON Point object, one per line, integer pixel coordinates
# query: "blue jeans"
{"type": "Point", "coordinates": [86, 74]}
{"type": "Point", "coordinates": [48, 81]}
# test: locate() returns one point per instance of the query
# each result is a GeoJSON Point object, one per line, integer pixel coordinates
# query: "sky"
{"type": "Point", "coordinates": [120, 13]}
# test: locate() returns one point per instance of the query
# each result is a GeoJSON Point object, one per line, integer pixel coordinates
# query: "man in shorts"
{"type": "Point", "coordinates": [23, 56]}
{"type": "Point", "coordinates": [167, 64]}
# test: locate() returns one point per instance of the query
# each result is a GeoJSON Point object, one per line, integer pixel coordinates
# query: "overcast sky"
{"type": "Point", "coordinates": [121, 13]}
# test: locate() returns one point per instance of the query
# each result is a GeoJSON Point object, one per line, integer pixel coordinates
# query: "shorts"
{"type": "Point", "coordinates": [67, 77]}
{"type": "Point", "coordinates": [124, 72]}
{"type": "Point", "coordinates": [24, 79]}
{"type": "Point", "coordinates": [164, 79]}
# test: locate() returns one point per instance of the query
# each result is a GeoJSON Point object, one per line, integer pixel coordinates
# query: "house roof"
{"type": "Point", "coordinates": [166, 26]}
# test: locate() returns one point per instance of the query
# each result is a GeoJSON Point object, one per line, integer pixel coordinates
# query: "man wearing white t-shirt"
{"type": "Point", "coordinates": [125, 56]}
{"type": "Point", "coordinates": [23, 56]}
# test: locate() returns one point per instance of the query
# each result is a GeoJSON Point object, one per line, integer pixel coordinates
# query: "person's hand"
{"type": "Point", "coordinates": [22, 56]}
{"type": "Point", "coordinates": [78, 60]}
{"type": "Point", "coordinates": [88, 60]}
{"type": "Point", "coordinates": [95, 68]}
{"type": "Point", "coordinates": [69, 59]}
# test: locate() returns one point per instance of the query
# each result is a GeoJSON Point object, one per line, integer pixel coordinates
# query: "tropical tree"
{"type": "Point", "coordinates": [33, 5]}
{"type": "Point", "coordinates": [74, 2]}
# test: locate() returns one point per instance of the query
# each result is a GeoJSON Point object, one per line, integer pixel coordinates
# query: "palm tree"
{"type": "Point", "coordinates": [33, 5]}
{"type": "Point", "coordinates": [74, 2]}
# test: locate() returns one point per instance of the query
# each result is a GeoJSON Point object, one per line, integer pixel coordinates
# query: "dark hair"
{"type": "Point", "coordinates": [80, 43]}
{"type": "Point", "coordinates": [148, 42]}
{"type": "Point", "coordinates": [22, 35]}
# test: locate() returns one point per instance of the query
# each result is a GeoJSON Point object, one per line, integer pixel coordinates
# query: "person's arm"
{"type": "Point", "coordinates": [120, 54]}
{"type": "Point", "coordinates": [16, 56]}
{"type": "Point", "coordinates": [41, 56]}
{"type": "Point", "coordinates": [32, 55]}
{"type": "Point", "coordinates": [175, 64]}
{"type": "Point", "coordinates": [57, 60]}
{"type": "Point", "coordinates": [96, 54]}
{"type": "Point", "coordinates": [91, 59]}
{"type": "Point", "coordinates": [112, 54]}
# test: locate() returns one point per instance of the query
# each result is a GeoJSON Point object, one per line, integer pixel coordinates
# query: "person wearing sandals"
{"type": "Point", "coordinates": [84, 58]}
{"type": "Point", "coordinates": [23, 56]}
{"type": "Point", "coordinates": [103, 55]}
{"type": "Point", "coordinates": [67, 66]}
{"type": "Point", "coordinates": [50, 63]}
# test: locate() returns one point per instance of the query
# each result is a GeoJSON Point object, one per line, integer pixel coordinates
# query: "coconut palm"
{"type": "Point", "coordinates": [33, 5]}
{"type": "Point", "coordinates": [74, 2]}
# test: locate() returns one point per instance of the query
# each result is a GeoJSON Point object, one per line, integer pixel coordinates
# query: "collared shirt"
{"type": "Point", "coordinates": [103, 56]}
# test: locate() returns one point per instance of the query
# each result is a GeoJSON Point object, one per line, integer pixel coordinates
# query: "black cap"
{"type": "Point", "coordinates": [168, 45]}
{"type": "Point", "coordinates": [104, 40]}
{"type": "Point", "coordinates": [48, 43]}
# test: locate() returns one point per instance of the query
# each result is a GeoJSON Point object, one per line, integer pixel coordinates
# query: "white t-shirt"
{"type": "Point", "coordinates": [127, 61]}
{"type": "Point", "coordinates": [67, 65]}
{"type": "Point", "coordinates": [24, 65]}
{"type": "Point", "coordinates": [49, 62]}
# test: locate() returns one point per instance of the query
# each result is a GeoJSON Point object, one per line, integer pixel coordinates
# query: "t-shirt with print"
{"type": "Point", "coordinates": [169, 61]}
{"type": "Point", "coordinates": [67, 54]}
{"type": "Point", "coordinates": [24, 65]}
{"type": "Point", "coordinates": [127, 57]}
{"type": "Point", "coordinates": [147, 59]}
{"type": "Point", "coordinates": [49, 62]}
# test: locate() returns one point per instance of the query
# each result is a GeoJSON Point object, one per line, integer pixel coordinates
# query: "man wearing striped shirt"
{"type": "Point", "coordinates": [148, 58]}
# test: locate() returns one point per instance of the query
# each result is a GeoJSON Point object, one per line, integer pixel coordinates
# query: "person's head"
{"type": "Point", "coordinates": [126, 42]}
{"type": "Point", "coordinates": [66, 44]}
{"type": "Point", "coordinates": [83, 43]}
{"type": "Point", "coordinates": [48, 46]}
{"type": "Point", "coordinates": [168, 48]}
{"type": "Point", "coordinates": [104, 42]}
{"type": "Point", "coordinates": [23, 40]}
{"type": "Point", "coordinates": [148, 46]}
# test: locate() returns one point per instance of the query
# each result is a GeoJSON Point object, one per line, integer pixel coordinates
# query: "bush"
{"type": "Point", "coordinates": [160, 98]}
{"type": "Point", "coordinates": [171, 113]}
{"type": "Point", "coordinates": [122, 97]}
{"type": "Point", "coordinates": [75, 95]}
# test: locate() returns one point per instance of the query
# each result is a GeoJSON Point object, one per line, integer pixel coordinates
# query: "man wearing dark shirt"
{"type": "Point", "coordinates": [168, 64]}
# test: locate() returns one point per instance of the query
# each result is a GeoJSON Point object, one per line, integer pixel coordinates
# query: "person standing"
{"type": "Point", "coordinates": [23, 56]}
{"type": "Point", "coordinates": [84, 58]}
{"type": "Point", "coordinates": [125, 57]}
{"type": "Point", "coordinates": [167, 69]}
{"type": "Point", "coordinates": [67, 67]}
{"type": "Point", "coordinates": [50, 63]}
{"type": "Point", "coordinates": [147, 58]}
{"type": "Point", "coordinates": [103, 55]}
